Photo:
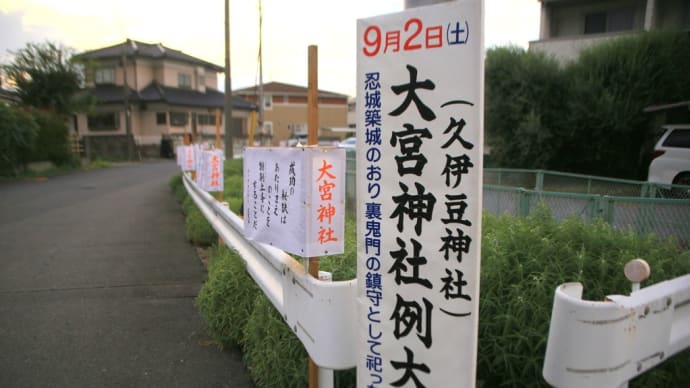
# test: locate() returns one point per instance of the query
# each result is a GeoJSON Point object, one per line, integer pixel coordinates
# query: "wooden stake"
{"type": "Point", "coordinates": [219, 143]}
{"type": "Point", "coordinates": [312, 140]}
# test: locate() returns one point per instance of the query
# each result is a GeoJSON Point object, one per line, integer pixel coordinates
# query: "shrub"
{"type": "Point", "coordinates": [52, 140]}
{"type": "Point", "coordinates": [227, 298]}
{"type": "Point", "coordinates": [233, 187]}
{"type": "Point", "coordinates": [525, 259]}
{"type": "Point", "coordinates": [233, 167]}
{"type": "Point", "coordinates": [199, 231]}
{"type": "Point", "coordinates": [17, 133]}
{"type": "Point", "coordinates": [175, 182]}
{"type": "Point", "coordinates": [274, 356]}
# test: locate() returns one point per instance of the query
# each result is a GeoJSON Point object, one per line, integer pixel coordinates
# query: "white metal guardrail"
{"type": "Point", "coordinates": [606, 344]}
{"type": "Point", "coordinates": [321, 314]}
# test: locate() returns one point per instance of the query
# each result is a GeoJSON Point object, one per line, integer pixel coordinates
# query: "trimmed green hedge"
{"type": "Point", "coordinates": [524, 259]}
{"type": "Point", "coordinates": [199, 231]}
{"type": "Point", "coordinates": [227, 299]}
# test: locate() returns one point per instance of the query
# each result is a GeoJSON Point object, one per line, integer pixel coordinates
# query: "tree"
{"type": "Point", "coordinates": [525, 94]}
{"type": "Point", "coordinates": [46, 76]}
{"type": "Point", "coordinates": [588, 115]}
{"type": "Point", "coordinates": [18, 131]}
{"type": "Point", "coordinates": [609, 86]}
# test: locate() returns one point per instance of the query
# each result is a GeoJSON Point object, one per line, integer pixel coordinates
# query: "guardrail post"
{"type": "Point", "coordinates": [539, 184]}
{"type": "Point", "coordinates": [606, 209]}
{"type": "Point", "coordinates": [606, 344]}
{"type": "Point", "coordinates": [523, 202]}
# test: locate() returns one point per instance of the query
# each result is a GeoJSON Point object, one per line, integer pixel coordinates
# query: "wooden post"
{"type": "Point", "coordinates": [252, 126]}
{"type": "Point", "coordinates": [219, 144]}
{"type": "Point", "coordinates": [312, 140]}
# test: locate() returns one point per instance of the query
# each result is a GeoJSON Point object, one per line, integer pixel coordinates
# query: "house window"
{"type": "Point", "coordinates": [595, 23]}
{"type": "Point", "coordinates": [268, 128]}
{"type": "Point", "coordinates": [103, 121]}
{"type": "Point", "coordinates": [620, 20]}
{"type": "Point", "coordinates": [609, 21]}
{"type": "Point", "coordinates": [184, 80]}
{"type": "Point", "coordinates": [268, 102]}
{"type": "Point", "coordinates": [206, 119]}
{"type": "Point", "coordinates": [161, 118]}
{"type": "Point", "coordinates": [105, 75]}
{"type": "Point", "coordinates": [179, 119]}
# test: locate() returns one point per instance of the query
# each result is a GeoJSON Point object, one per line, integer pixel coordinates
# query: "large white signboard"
{"type": "Point", "coordinates": [419, 169]}
{"type": "Point", "coordinates": [294, 199]}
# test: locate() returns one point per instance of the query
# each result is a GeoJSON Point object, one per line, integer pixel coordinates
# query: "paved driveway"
{"type": "Point", "coordinates": [97, 285]}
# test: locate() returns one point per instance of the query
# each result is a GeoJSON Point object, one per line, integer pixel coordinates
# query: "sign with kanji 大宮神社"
{"type": "Point", "coordinates": [419, 195]}
{"type": "Point", "coordinates": [209, 172]}
{"type": "Point", "coordinates": [294, 199]}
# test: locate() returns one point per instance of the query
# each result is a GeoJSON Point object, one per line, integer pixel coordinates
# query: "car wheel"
{"type": "Point", "coordinates": [682, 179]}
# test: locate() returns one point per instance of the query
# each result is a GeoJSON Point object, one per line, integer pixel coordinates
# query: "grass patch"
{"type": "Point", "coordinates": [274, 356]}
{"type": "Point", "coordinates": [227, 298]}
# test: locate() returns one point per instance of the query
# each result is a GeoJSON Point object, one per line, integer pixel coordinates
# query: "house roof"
{"type": "Point", "coordinates": [8, 95]}
{"type": "Point", "coordinates": [137, 49]}
{"type": "Point", "coordinates": [660, 107]}
{"type": "Point", "coordinates": [285, 89]}
{"type": "Point", "coordinates": [173, 96]}
{"type": "Point", "coordinates": [111, 93]}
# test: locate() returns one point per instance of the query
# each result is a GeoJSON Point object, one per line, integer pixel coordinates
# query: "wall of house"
{"type": "Point", "coordinates": [283, 114]}
{"type": "Point", "coordinates": [568, 19]}
{"type": "Point", "coordinates": [568, 49]}
{"type": "Point", "coordinates": [673, 14]}
{"type": "Point", "coordinates": [212, 80]}
{"type": "Point", "coordinates": [170, 71]}
{"type": "Point", "coordinates": [145, 73]}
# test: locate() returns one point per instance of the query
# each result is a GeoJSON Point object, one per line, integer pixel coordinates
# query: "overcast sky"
{"type": "Point", "coordinates": [196, 28]}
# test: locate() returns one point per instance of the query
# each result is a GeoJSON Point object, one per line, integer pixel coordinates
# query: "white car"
{"type": "Point", "coordinates": [671, 160]}
{"type": "Point", "coordinates": [349, 143]}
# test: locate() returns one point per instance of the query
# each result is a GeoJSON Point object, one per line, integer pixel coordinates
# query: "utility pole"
{"type": "Point", "coordinates": [125, 91]}
{"type": "Point", "coordinates": [228, 87]}
{"type": "Point", "coordinates": [261, 75]}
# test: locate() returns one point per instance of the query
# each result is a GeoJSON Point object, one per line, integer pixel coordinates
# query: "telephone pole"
{"type": "Point", "coordinates": [228, 87]}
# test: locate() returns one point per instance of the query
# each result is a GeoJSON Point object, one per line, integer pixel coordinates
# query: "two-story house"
{"type": "Point", "coordinates": [285, 113]}
{"type": "Point", "coordinates": [568, 26]}
{"type": "Point", "coordinates": [146, 92]}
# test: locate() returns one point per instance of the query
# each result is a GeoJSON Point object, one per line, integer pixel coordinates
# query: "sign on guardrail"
{"type": "Point", "coordinates": [294, 199]}
{"type": "Point", "coordinates": [210, 170]}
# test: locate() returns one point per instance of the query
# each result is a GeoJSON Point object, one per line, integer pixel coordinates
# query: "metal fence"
{"type": "Point", "coordinates": [551, 181]}
{"type": "Point", "coordinates": [642, 207]}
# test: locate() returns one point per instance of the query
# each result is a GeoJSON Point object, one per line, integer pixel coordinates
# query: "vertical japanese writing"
{"type": "Point", "coordinates": [372, 234]}
{"type": "Point", "coordinates": [415, 207]}
{"type": "Point", "coordinates": [325, 212]}
{"type": "Point", "coordinates": [269, 194]}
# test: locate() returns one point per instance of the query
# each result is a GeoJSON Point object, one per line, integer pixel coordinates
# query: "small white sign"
{"type": "Point", "coordinates": [187, 157]}
{"type": "Point", "coordinates": [210, 170]}
{"type": "Point", "coordinates": [294, 199]}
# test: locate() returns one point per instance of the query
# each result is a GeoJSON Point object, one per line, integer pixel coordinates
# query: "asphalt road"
{"type": "Point", "coordinates": [97, 285]}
